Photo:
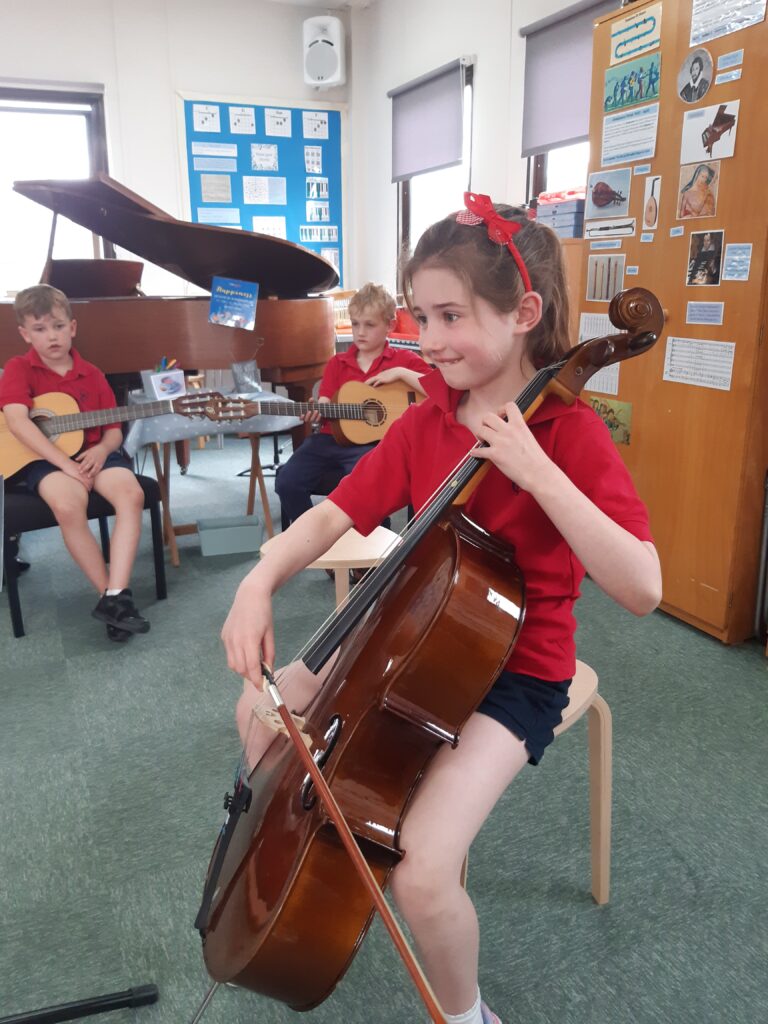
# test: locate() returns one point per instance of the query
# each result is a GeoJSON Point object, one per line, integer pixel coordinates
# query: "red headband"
{"type": "Point", "coordinates": [479, 210]}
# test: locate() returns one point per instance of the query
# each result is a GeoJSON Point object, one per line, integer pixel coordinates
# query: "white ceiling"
{"type": "Point", "coordinates": [327, 4]}
{"type": "Point", "coordinates": [337, 5]}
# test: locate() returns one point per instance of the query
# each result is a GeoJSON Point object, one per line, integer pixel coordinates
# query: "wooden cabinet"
{"type": "Point", "coordinates": [698, 455]}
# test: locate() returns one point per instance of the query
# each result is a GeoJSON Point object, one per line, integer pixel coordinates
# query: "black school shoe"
{"type": "Point", "coordinates": [118, 635]}
{"type": "Point", "coordinates": [120, 611]}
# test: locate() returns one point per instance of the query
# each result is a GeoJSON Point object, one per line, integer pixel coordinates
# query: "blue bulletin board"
{"type": "Point", "coordinates": [271, 169]}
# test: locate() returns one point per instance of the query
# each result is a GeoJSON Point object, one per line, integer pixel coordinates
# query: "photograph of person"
{"type": "Point", "coordinates": [705, 258]}
{"type": "Point", "coordinates": [695, 76]}
{"type": "Point", "coordinates": [698, 190]}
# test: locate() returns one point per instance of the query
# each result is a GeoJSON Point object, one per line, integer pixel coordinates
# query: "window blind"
{"type": "Point", "coordinates": [558, 77]}
{"type": "Point", "coordinates": [427, 122]}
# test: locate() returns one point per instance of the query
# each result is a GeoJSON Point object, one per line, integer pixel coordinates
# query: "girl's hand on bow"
{"type": "Point", "coordinates": [248, 633]}
{"type": "Point", "coordinates": [512, 447]}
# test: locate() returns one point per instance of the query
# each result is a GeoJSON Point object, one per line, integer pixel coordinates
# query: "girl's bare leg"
{"type": "Point", "coordinates": [297, 687]}
{"type": "Point", "coordinates": [457, 794]}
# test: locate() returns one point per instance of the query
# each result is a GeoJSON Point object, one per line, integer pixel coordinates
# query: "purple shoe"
{"type": "Point", "coordinates": [489, 1017]}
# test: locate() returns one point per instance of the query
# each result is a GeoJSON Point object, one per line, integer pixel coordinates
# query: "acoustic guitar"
{"type": "Point", "coordinates": [359, 413]}
{"type": "Point", "coordinates": [59, 417]}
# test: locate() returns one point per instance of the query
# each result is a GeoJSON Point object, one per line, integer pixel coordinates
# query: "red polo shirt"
{"type": "Point", "coordinates": [425, 445]}
{"type": "Point", "coordinates": [344, 367]}
{"type": "Point", "coordinates": [25, 377]}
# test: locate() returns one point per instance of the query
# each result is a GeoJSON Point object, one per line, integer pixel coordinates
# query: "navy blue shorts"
{"type": "Point", "coordinates": [530, 708]}
{"type": "Point", "coordinates": [32, 474]}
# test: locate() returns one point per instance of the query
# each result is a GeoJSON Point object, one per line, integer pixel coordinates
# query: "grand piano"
{"type": "Point", "coordinates": [122, 331]}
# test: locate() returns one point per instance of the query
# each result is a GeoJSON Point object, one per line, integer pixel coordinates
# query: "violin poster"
{"type": "Point", "coordinates": [608, 193]}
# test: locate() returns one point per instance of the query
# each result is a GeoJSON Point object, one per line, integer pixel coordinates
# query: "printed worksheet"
{"type": "Point", "coordinates": [205, 117]}
{"type": "Point", "coordinates": [707, 364]}
{"type": "Point", "coordinates": [216, 188]}
{"type": "Point", "coordinates": [242, 120]}
{"type": "Point", "coordinates": [277, 121]}
{"type": "Point", "coordinates": [264, 191]}
{"type": "Point", "coordinates": [315, 123]}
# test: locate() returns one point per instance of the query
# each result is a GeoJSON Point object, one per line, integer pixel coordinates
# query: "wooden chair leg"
{"type": "Point", "coordinates": [12, 586]}
{"type": "Point", "coordinates": [257, 476]}
{"type": "Point", "coordinates": [161, 588]}
{"type": "Point", "coordinates": [104, 535]}
{"type": "Point", "coordinates": [600, 742]}
{"type": "Point", "coordinates": [161, 471]}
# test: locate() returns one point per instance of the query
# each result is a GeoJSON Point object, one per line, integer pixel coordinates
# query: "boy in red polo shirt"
{"type": "Point", "coordinates": [45, 323]}
{"type": "Point", "coordinates": [370, 359]}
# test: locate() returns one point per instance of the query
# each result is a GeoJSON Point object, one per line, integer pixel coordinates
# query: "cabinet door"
{"type": "Point", "coordinates": [696, 452]}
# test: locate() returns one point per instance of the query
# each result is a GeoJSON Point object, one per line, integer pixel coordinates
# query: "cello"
{"type": "Point", "coordinates": [282, 913]}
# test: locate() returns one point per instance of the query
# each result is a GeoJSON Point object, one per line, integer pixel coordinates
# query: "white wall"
{"type": "Point", "coordinates": [394, 41]}
{"type": "Point", "coordinates": [146, 51]}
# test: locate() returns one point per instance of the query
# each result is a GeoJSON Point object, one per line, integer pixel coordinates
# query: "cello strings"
{"type": "Point", "coordinates": [370, 580]}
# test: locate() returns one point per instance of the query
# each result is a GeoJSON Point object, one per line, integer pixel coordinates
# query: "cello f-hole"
{"type": "Point", "coordinates": [320, 757]}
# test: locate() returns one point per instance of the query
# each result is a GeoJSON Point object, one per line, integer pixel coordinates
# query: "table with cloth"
{"type": "Point", "coordinates": [159, 433]}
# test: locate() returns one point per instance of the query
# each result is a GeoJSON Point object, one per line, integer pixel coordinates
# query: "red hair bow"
{"type": "Point", "coordinates": [479, 210]}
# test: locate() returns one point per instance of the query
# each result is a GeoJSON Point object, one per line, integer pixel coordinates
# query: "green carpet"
{"type": "Point", "coordinates": [114, 760]}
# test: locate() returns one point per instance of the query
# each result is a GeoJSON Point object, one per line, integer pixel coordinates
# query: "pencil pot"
{"type": "Point", "coordinates": [163, 384]}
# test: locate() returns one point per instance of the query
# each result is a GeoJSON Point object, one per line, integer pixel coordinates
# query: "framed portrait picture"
{"type": "Point", "coordinates": [705, 258]}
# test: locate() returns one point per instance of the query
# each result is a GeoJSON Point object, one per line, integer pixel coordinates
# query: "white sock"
{"type": "Point", "coordinates": [474, 1015]}
{"type": "Point", "coordinates": [112, 593]}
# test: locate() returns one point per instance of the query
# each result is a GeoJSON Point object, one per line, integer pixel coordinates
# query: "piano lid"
{"type": "Point", "coordinates": [196, 252]}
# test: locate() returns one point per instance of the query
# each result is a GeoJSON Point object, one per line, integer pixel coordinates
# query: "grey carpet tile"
{"type": "Point", "coordinates": [114, 760]}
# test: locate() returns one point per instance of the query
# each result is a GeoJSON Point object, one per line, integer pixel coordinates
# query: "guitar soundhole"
{"type": "Point", "coordinates": [374, 412]}
{"type": "Point", "coordinates": [39, 417]}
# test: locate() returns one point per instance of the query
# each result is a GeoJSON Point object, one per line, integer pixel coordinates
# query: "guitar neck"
{"type": "Point", "coordinates": [100, 417]}
{"type": "Point", "coordinates": [328, 410]}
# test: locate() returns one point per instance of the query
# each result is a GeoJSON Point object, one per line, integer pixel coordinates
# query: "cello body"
{"type": "Point", "coordinates": [289, 914]}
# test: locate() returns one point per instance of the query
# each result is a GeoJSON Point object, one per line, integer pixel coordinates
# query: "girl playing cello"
{"type": "Point", "coordinates": [487, 287]}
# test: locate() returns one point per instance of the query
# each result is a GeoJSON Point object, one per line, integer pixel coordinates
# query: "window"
{"type": "Point", "coordinates": [558, 73]}
{"type": "Point", "coordinates": [563, 168]}
{"type": "Point", "coordinates": [426, 196]}
{"type": "Point", "coordinates": [45, 134]}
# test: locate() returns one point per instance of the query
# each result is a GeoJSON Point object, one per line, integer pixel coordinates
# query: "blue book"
{"type": "Point", "coordinates": [233, 303]}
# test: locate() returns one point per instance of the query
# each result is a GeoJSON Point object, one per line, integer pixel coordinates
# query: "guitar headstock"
{"type": "Point", "coordinates": [237, 409]}
{"type": "Point", "coordinates": [200, 403]}
{"type": "Point", "coordinates": [214, 406]}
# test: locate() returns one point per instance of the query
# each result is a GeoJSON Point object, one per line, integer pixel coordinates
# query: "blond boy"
{"type": "Point", "coordinates": [370, 359]}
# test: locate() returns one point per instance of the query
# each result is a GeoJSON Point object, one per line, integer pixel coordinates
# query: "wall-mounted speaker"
{"type": "Point", "coordinates": [324, 51]}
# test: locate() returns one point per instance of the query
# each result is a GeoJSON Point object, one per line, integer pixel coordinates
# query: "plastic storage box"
{"type": "Point", "coordinates": [230, 535]}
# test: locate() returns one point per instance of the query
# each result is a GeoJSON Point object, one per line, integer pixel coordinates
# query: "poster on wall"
{"type": "Point", "coordinates": [608, 193]}
{"type": "Point", "coordinates": [637, 33]}
{"type": "Point", "coordinates": [709, 133]}
{"type": "Point", "coordinates": [697, 196]}
{"type": "Point", "coordinates": [630, 135]}
{"type": "Point", "coordinates": [711, 19]}
{"type": "Point", "coordinates": [259, 175]}
{"type": "Point", "coordinates": [635, 81]}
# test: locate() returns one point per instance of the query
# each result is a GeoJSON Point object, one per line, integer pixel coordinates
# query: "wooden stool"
{"type": "Point", "coordinates": [583, 697]}
{"type": "Point", "coordinates": [352, 551]}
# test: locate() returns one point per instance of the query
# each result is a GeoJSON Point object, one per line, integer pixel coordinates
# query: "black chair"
{"type": "Point", "coordinates": [25, 512]}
